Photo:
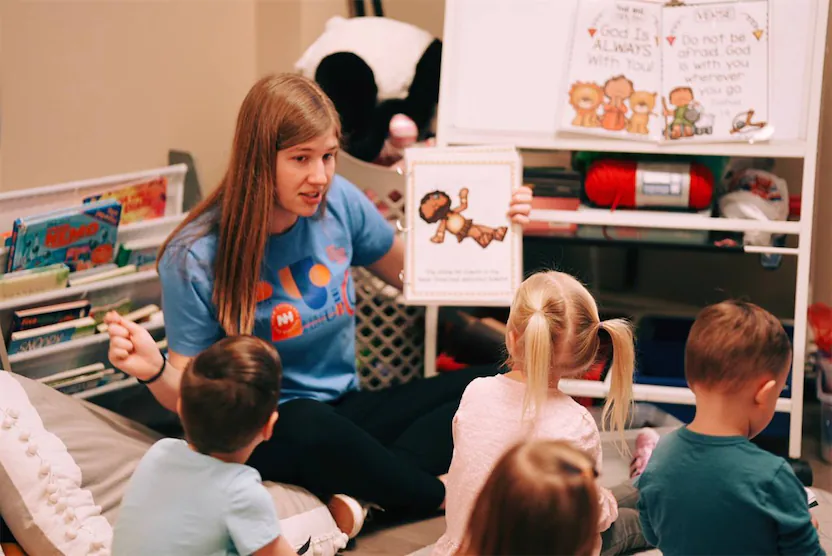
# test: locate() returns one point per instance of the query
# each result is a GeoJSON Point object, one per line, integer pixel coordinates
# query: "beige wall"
{"type": "Point", "coordinates": [91, 88]}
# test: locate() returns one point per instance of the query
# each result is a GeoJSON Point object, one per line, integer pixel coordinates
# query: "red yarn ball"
{"type": "Point", "coordinates": [612, 183]}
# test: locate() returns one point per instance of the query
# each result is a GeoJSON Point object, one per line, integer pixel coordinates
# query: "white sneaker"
{"type": "Point", "coordinates": [349, 514]}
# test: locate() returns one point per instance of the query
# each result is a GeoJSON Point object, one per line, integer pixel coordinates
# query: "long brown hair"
{"type": "Point", "coordinates": [541, 498]}
{"type": "Point", "coordinates": [559, 334]}
{"type": "Point", "coordinates": [280, 111]}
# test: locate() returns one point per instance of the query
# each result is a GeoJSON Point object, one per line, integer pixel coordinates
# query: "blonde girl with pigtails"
{"type": "Point", "coordinates": [553, 332]}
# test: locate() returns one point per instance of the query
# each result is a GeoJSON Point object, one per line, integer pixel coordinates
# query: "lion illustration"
{"type": "Point", "coordinates": [642, 104]}
{"type": "Point", "coordinates": [436, 207]}
{"type": "Point", "coordinates": [585, 98]}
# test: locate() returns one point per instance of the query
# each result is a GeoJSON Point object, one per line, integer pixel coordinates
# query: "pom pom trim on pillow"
{"type": "Point", "coordinates": [41, 498]}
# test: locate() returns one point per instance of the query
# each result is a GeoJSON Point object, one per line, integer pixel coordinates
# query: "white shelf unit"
{"type": "Point", "coordinates": [477, 108]}
{"type": "Point", "coordinates": [142, 287]}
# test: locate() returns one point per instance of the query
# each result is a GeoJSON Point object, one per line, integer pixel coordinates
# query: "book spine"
{"type": "Point", "coordinates": [49, 339]}
{"type": "Point", "coordinates": [13, 245]}
{"type": "Point", "coordinates": [46, 319]}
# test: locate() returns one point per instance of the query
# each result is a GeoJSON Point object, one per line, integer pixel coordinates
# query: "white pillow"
{"type": "Point", "coordinates": [94, 452]}
{"type": "Point", "coordinates": [41, 496]}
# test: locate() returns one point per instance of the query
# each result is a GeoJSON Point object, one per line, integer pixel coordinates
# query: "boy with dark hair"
{"type": "Point", "coordinates": [707, 489]}
{"type": "Point", "coordinates": [196, 496]}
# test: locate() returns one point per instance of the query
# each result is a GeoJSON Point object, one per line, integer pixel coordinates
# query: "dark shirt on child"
{"type": "Point", "coordinates": [723, 495]}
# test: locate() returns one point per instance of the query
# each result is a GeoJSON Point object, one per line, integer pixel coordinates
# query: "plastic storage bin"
{"type": "Point", "coordinates": [660, 360]}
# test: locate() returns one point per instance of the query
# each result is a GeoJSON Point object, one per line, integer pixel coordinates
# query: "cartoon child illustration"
{"type": "Point", "coordinates": [683, 118]}
{"type": "Point", "coordinates": [642, 104]}
{"type": "Point", "coordinates": [585, 98]}
{"type": "Point", "coordinates": [436, 207]}
{"type": "Point", "coordinates": [617, 89]}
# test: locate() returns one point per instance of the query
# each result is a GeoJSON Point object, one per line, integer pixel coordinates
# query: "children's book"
{"type": "Point", "coordinates": [461, 247]}
{"type": "Point", "coordinates": [71, 373]}
{"type": "Point", "coordinates": [140, 252]}
{"type": "Point", "coordinates": [34, 280]}
{"type": "Point", "coordinates": [36, 338]}
{"type": "Point", "coordinates": [121, 305]}
{"type": "Point", "coordinates": [35, 317]}
{"type": "Point", "coordinates": [88, 381]}
{"type": "Point", "coordinates": [84, 279]}
{"type": "Point", "coordinates": [139, 315]}
{"type": "Point", "coordinates": [81, 237]}
{"type": "Point", "coordinates": [667, 72]}
{"type": "Point", "coordinates": [140, 200]}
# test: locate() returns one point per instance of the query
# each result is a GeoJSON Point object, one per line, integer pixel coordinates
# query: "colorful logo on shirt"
{"type": "Point", "coordinates": [307, 280]}
{"type": "Point", "coordinates": [310, 282]}
{"type": "Point", "coordinates": [263, 291]}
{"type": "Point", "coordinates": [286, 322]}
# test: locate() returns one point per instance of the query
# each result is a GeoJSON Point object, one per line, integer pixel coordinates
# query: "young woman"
{"type": "Point", "coordinates": [269, 253]}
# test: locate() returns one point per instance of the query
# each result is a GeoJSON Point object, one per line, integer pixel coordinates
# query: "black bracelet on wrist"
{"type": "Point", "coordinates": [157, 375]}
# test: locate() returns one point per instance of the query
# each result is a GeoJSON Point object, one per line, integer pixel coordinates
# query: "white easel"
{"type": "Point", "coordinates": [502, 69]}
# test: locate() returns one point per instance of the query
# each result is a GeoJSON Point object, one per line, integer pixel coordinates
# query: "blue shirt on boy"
{"type": "Point", "coordinates": [306, 292]}
{"type": "Point", "coordinates": [179, 501]}
{"type": "Point", "coordinates": [723, 495]}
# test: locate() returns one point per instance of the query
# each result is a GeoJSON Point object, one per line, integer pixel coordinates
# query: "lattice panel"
{"type": "Point", "coordinates": [390, 342]}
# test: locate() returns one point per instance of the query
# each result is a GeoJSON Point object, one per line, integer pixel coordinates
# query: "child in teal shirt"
{"type": "Point", "coordinates": [707, 489]}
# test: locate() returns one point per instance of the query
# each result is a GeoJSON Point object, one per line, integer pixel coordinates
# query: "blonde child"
{"type": "Point", "coordinates": [540, 499]}
{"type": "Point", "coordinates": [554, 331]}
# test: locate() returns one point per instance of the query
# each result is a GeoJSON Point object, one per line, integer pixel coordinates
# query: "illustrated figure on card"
{"type": "Point", "coordinates": [585, 98]}
{"type": "Point", "coordinates": [435, 207]}
{"type": "Point", "coordinates": [642, 104]}
{"type": "Point", "coordinates": [688, 117]}
{"type": "Point", "coordinates": [617, 90]}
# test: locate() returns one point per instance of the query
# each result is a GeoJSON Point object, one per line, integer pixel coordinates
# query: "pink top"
{"type": "Point", "coordinates": [487, 423]}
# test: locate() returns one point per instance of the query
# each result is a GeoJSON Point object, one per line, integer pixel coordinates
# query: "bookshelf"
{"type": "Point", "coordinates": [507, 91]}
{"type": "Point", "coordinates": [141, 287]}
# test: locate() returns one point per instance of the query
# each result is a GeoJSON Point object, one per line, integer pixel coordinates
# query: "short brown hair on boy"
{"type": "Point", "coordinates": [733, 342]}
{"type": "Point", "coordinates": [228, 393]}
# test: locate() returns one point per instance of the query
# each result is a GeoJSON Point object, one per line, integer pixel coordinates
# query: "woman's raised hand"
{"type": "Point", "coordinates": [521, 205]}
{"type": "Point", "coordinates": [132, 349]}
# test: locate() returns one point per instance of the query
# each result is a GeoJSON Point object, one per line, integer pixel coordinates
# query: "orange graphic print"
{"type": "Point", "coordinates": [286, 322]}
{"type": "Point", "coordinates": [102, 254]}
{"type": "Point", "coordinates": [263, 291]}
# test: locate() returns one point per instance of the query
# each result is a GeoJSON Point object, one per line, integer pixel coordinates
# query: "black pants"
{"type": "Point", "coordinates": [386, 447]}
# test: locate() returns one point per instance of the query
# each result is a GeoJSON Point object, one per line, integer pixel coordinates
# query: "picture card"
{"type": "Point", "coordinates": [461, 247]}
{"type": "Point", "coordinates": [648, 71]}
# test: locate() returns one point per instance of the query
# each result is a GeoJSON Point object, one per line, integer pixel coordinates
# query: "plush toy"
{"type": "Point", "coordinates": [383, 77]}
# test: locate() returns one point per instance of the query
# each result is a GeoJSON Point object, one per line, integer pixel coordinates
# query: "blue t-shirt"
{"type": "Point", "coordinates": [307, 306]}
{"type": "Point", "coordinates": [723, 495]}
{"type": "Point", "coordinates": [179, 501]}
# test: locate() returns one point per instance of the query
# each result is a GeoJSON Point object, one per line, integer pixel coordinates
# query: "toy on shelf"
{"type": "Point", "coordinates": [383, 77]}
{"type": "Point", "coordinates": [751, 191]}
{"type": "Point", "coordinates": [633, 184]}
